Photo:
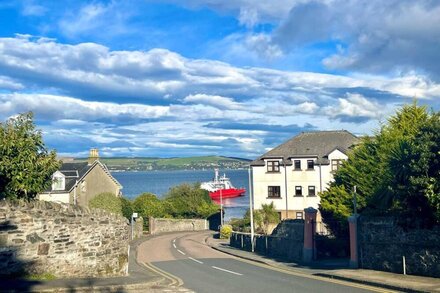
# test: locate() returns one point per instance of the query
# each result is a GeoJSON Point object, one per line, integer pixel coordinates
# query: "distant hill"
{"type": "Point", "coordinates": [190, 163]}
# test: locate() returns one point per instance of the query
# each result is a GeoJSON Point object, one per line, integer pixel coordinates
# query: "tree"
{"type": "Point", "coordinates": [395, 171]}
{"type": "Point", "coordinates": [269, 216]}
{"type": "Point", "coordinates": [26, 165]}
{"type": "Point", "coordinates": [108, 202]}
{"type": "Point", "coordinates": [148, 205]}
{"type": "Point", "coordinates": [189, 201]}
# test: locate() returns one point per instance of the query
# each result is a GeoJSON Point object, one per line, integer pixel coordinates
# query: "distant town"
{"type": "Point", "coordinates": [167, 164]}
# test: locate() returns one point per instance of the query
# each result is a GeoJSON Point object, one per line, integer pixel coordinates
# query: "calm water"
{"type": "Point", "coordinates": [159, 182]}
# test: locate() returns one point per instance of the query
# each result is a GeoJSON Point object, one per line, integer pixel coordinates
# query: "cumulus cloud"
{"type": "Point", "coordinates": [215, 101]}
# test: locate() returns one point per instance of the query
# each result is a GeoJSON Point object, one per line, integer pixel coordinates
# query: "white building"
{"type": "Point", "coordinates": [294, 173]}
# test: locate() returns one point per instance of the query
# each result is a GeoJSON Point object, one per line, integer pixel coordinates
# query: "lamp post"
{"type": "Point", "coordinates": [251, 209]}
{"type": "Point", "coordinates": [221, 207]}
{"type": "Point", "coordinates": [133, 216]}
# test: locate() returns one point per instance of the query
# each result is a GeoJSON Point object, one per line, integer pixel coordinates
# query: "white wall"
{"type": "Point", "coordinates": [54, 197]}
{"type": "Point", "coordinates": [304, 178]}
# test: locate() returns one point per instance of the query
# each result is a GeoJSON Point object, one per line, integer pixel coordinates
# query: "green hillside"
{"type": "Point", "coordinates": [190, 163]}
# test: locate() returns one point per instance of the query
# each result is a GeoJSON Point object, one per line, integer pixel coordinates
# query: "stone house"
{"type": "Point", "coordinates": [78, 183]}
{"type": "Point", "coordinates": [294, 173]}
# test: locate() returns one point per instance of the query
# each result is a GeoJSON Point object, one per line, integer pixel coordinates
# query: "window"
{"type": "Point", "coordinates": [297, 164]}
{"type": "Point", "coordinates": [298, 191]}
{"type": "Point", "coordinates": [310, 165]}
{"type": "Point", "coordinates": [58, 183]}
{"type": "Point", "coordinates": [336, 164]}
{"type": "Point", "coordinates": [273, 191]}
{"type": "Point", "coordinates": [299, 215]}
{"type": "Point", "coordinates": [273, 166]}
{"type": "Point", "coordinates": [312, 191]}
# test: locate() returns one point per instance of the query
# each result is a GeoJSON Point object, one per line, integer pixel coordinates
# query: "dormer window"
{"type": "Point", "coordinates": [273, 166]}
{"type": "Point", "coordinates": [58, 181]}
{"type": "Point", "coordinates": [310, 165]}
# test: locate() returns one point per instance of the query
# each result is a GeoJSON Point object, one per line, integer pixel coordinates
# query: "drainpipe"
{"type": "Point", "coordinates": [320, 178]}
{"type": "Point", "coordinates": [74, 193]}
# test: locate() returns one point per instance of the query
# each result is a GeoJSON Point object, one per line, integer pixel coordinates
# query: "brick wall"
{"type": "Point", "coordinates": [66, 241]}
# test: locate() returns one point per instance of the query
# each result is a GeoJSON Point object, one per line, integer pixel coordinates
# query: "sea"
{"type": "Point", "coordinates": [159, 182]}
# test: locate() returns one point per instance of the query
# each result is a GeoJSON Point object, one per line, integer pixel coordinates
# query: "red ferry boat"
{"type": "Point", "coordinates": [221, 188]}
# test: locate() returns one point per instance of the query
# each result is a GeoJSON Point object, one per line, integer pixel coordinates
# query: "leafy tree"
{"type": "Point", "coordinates": [395, 171]}
{"type": "Point", "coordinates": [26, 165]}
{"type": "Point", "coordinates": [148, 205]}
{"type": "Point", "coordinates": [108, 202]}
{"type": "Point", "coordinates": [269, 216]}
{"type": "Point", "coordinates": [189, 201]}
{"type": "Point", "coordinates": [127, 207]}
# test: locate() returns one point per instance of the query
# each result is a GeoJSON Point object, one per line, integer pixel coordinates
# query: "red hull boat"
{"type": "Point", "coordinates": [221, 188]}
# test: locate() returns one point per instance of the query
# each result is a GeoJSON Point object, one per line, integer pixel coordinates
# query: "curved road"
{"type": "Point", "coordinates": [184, 258]}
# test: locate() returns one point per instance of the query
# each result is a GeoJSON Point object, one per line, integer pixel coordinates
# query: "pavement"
{"type": "Point", "coordinates": [334, 269]}
{"type": "Point", "coordinates": [140, 279]}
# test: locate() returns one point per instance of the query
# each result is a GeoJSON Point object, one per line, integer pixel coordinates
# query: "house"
{"type": "Point", "coordinates": [78, 183]}
{"type": "Point", "coordinates": [294, 173]}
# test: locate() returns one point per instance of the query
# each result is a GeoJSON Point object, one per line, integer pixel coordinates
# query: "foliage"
{"type": "Point", "coordinates": [269, 216]}
{"type": "Point", "coordinates": [26, 165]}
{"type": "Point", "coordinates": [148, 205]}
{"type": "Point", "coordinates": [127, 207]}
{"type": "Point", "coordinates": [225, 232]}
{"type": "Point", "coordinates": [189, 201]}
{"type": "Point", "coordinates": [107, 201]}
{"type": "Point", "coordinates": [263, 219]}
{"type": "Point", "coordinates": [396, 171]}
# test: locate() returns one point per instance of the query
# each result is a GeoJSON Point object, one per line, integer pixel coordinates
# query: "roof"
{"type": "Point", "coordinates": [317, 144]}
{"type": "Point", "coordinates": [74, 172]}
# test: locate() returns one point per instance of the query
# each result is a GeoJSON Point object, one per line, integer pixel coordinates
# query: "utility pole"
{"type": "Point", "coordinates": [251, 209]}
{"type": "Point", "coordinates": [221, 207]}
{"type": "Point", "coordinates": [285, 188]}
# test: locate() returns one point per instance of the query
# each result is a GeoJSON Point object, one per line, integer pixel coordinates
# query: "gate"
{"type": "Point", "coordinates": [331, 243]}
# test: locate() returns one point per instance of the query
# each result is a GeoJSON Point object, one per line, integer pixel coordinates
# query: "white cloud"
{"type": "Point", "coordinates": [355, 106]}
{"type": "Point", "coordinates": [215, 101]}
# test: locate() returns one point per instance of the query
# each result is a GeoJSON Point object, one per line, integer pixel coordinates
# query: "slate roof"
{"type": "Point", "coordinates": [74, 172]}
{"type": "Point", "coordinates": [317, 144]}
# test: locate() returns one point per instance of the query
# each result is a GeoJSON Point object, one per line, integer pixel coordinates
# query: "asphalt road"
{"type": "Point", "coordinates": [186, 260]}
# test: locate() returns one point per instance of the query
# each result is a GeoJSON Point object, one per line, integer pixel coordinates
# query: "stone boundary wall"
{"type": "Point", "coordinates": [40, 237]}
{"type": "Point", "coordinates": [382, 243]}
{"type": "Point", "coordinates": [138, 228]}
{"type": "Point", "coordinates": [161, 225]}
{"type": "Point", "coordinates": [286, 241]}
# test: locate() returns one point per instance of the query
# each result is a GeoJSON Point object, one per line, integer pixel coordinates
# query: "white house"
{"type": "Point", "coordinates": [294, 173]}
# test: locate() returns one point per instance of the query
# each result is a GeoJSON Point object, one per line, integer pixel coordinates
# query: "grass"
{"type": "Point", "coordinates": [41, 277]}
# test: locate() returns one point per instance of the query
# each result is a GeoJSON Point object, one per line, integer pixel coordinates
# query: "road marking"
{"type": "Point", "coordinates": [181, 252]}
{"type": "Point", "coordinates": [196, 260]}
{"type": "Point", "coordinates": [174, 280]}
{"type": "Point", "coordinates": [228, 271]}
{"type": "Point", "coordinates": [174, 240]}
{"type": "Point", "coordinates": [174, 245]}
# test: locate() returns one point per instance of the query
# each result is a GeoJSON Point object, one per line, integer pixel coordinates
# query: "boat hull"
{"type": "Point", "coordinates": [227, 193]}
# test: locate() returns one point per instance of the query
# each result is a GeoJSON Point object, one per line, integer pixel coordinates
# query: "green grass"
{"type": "Point", "coordinates": [41, 277]}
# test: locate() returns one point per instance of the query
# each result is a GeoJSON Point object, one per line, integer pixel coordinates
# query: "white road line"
{"type": "Point", "coordinates": [196, 260]}
{"type": "Point", "coordinates": [174, 245]}
{"type": "Point", "coordinates": [228, 271]}
{"type": "Point", "coordinates": [174, 240]}
{"type": "Point", "coordinates": [180, 251]}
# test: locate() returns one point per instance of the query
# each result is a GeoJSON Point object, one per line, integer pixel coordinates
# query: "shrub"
{"type": "Point", "coordinates": [107, 201]}
{"type": "Point", "coordinates": [225, 232]}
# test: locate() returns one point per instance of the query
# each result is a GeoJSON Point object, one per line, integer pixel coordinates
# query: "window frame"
{"type": "Point", "coordinates": [295, 168]}
{"type": "Point", "coordinates": [298, 188]}
{"type": "Point", "coordinates": [314, 190]}
{"type": "Point", "coordinates": [271, 191]}
{"type": "Point", "coordinates": [299, 214]}
{"type": "Point", "coordinates": [274, 165]}
{"type": "Point", "coordinates": [337, 165]}
{"type": "Point", "coordinates": [312, 162]}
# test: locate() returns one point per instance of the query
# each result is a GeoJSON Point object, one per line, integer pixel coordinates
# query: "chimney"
{"type": "Point", "coordinates": [93, 156]}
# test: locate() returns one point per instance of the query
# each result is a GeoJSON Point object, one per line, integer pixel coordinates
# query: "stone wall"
{"type": "Point", "coordinates": [138, 228]}
{"type": "Point", "coordinates": [42, 237]}
{"type": "Point", "coordinates": [285, 242]}
{"type": "Point", "coordinates": [176, 225]}
{"type": "Point", "coordinates": [382, 244]}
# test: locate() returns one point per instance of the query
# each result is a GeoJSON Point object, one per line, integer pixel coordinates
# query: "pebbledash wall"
{"type": "Point", "coordinates": [42, 237]}
{"type": "Point", "coordinates": [382, 245]}
{"type": "Point", "coordinates": [161, 225]}
{"type": "Point", "coordinates": [286, 241]}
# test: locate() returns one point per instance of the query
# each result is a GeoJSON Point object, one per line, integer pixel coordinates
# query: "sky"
{"type": "Point", "coordinates": [176, 78]}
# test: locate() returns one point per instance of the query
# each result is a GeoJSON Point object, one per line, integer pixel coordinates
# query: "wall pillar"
{"type": "Point", "coordinates": [151, 225]}
{"type": "Point", "coordinates": [353, 227]}
{"type": "Point", "coordinates": [309, 231]}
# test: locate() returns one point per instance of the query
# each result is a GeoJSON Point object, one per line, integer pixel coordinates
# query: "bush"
{"type": "Point", "coordinates": [225, 232]}
{"type": "Point", "coordinates": [107, 201]}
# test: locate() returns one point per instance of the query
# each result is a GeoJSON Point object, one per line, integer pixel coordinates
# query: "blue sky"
{"type": "Point", "coordinates": [212, 77]}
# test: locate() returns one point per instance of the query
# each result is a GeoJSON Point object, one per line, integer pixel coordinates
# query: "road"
{"type": "Point", "coordinates": [185, 259]}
